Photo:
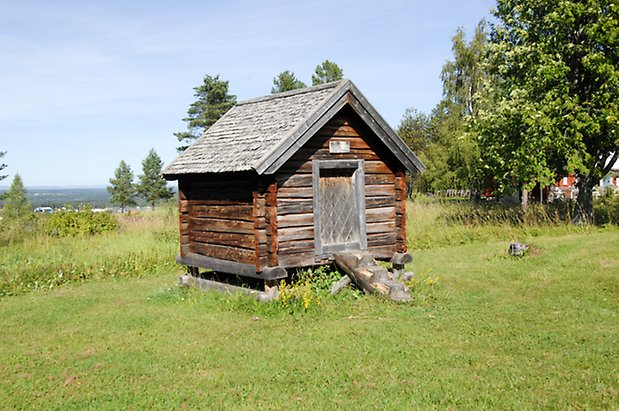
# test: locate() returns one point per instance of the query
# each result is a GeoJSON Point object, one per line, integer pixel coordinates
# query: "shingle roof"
{"type": "Point", "coordinates": [259, 134]}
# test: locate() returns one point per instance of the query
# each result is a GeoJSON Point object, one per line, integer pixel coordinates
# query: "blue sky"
{"type": "Point", "coordinates": [84, 84]}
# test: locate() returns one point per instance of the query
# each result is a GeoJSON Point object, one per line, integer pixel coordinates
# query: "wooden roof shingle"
{"type": "Point", "coordinates": [261, 134]}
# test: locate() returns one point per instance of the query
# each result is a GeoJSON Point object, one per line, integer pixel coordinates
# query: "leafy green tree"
{"type": "Point", "coordinates": [327, 72]}
{"type": "Point", "coordinates": [464, 77]}
{"type": "Point", "coordinates": [443, 140]}
{"type": "Point", "coordinates": [286, 81]}
{"type": "Point", "coordinates": [151, 186]}
{"type": "Point", "coordinates": [16, 204]}
{"type": "Point", "coordinates": [415, 130]}
{"type": "Point", "coordinates": [121, 186]}
{"type": "Point", "coordinates": [2, 166]}
{"type": "Point", "coordinates": [554, 101]}
{"type": "Point", "coordinates": [213, 102]}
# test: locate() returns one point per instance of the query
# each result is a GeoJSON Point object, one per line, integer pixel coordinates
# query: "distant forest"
{"type": "Point", "coordinates": [56, 197]}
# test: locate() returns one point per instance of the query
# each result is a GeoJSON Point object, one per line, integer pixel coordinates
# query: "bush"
{"type": "Point", "coordinates": [606, 208]}
{"type": "Point", "coordinates": [15, 231]}
{"type": "Point", "coordinates": [82, 222]}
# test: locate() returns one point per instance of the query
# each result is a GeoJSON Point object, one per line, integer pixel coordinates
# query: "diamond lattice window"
{"type": "Point", "coordinates": [339, 218]}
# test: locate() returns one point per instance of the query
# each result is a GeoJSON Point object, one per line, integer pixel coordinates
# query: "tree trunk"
{"type": "Point", "coordinates": [524, 199]}
{"type": "Point", "coordinates": [584, 201]}
{"type": "Point", "coordinates": [370, 277]}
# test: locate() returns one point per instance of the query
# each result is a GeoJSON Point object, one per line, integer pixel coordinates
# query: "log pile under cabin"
{"type": "Point", "coordinates": [287, 180]}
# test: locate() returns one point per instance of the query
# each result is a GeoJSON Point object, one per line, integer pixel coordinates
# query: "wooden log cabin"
{"type": "Point", "coordinates": [286, 180]}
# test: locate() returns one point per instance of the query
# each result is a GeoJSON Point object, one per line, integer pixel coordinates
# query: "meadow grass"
{"type": "Point", "coordinates": [541, 331]}
{"type": "Point", "coordinates": [144, 244]}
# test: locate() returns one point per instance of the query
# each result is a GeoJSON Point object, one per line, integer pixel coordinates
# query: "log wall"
{"type": "Point", "coordinates": [384, 202]}
{"type": "Point", "coordinates": [218, 217]}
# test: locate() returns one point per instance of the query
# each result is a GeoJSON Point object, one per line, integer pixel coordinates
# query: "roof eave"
{"type": "Point", "coordinates": [282, 152]}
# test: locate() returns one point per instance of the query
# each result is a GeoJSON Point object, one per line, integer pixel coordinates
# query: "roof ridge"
{"type": "Point", "coordinates": [290, 93]}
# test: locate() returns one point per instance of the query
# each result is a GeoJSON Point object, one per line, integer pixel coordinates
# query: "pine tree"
{"type": "Point", "coordinates": [213, 102]}
{"type": "Point", "coordinates": [122, 188]}
{"type": "Point", "coordinates": [286, 81]}
{"type": "Point", "coordinates": [327, 72]}
{"type": "Point", "coordinates": [16, 204]}
{"type": "Point", "coordinates": [151, 186]}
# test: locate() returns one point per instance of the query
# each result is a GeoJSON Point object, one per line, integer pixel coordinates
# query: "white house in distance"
{"type": "Point", "coordinates": [611, 180]}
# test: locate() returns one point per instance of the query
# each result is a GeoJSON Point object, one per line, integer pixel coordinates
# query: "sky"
{"type": "Point", "coordinates": [86, 84]}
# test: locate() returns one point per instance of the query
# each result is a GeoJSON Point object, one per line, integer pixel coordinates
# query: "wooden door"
{"type": "Point", "coordinates": [339, 206]}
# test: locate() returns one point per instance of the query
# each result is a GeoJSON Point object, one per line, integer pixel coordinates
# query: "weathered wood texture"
{"type": "Point", "coordinates": [383, 196]}
{"type": "Point", "coordinates": [183, 219]}
{"type": "Point", "coordinates": [370, 277]}
{"type": "Point", "coordinates": [400, 190]}
{"type": "Point", "coordinates": [271, 225]}
{"type": "Point", "coordinates": [268, 221]}
{"type": "Point", "coordinates": [218, 217]}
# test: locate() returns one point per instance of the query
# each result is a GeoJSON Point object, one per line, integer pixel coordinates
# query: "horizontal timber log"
{"type": "Point", "coordinates": [297, 166]}
{"type": "Point", "coordinates": [296, 233]}
{"type": "Point", "coordinates": [376, 202]}
{"type": "Point", "coordinates": [294, 180]}
{"type": "Point", "coordinates": [295, 220]}
{"type": "Point", "coordinates": [379, 190]}
{"type": "Point", "coordinates": [297, 246]}
{"type": "Point", "coordinates": [294, 206]}
{"type": "Point", "coordinates": [218, 225]}
{"type": "Point", "coordinates": [384, 227]}
{"type": "Point", "coordinates": [237, 196]}
{"type": "Point", "coordinates": [376, 167]}
{"type": "Point", "coordinates": [295, 192]}
{"type": "Point", "coordinates": [374, 215]}
{"type": "Point", "coordinates": [230, 239]}
{"type": "Point", "coordinates": [225, 266]}
{"type": "Point", "coordinates": [219, 184]}
{"type": "Point", "coordinates": [234, 212]}
{"type": "Point", "coordinates": [296, 260]}
{"type": "Point", "coordinates": [378, 179]}
{"type": "Point", "coordinates": [224, 252]}
{"type": "Point", "coordinates": [381, 239]}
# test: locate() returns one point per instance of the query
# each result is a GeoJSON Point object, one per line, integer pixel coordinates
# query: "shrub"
{"type": "Point", "coordinates": [15, 231]}
{"type": "Point", "coordinates": [73, 223]}
{"type": "Point", "coordinates": [606, 208]}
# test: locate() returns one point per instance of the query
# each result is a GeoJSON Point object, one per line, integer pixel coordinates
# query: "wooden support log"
{"type": "Point", "coordinates": [204, 285]}
{"type": "Point", "coordinates": [370, 277]}
{"type": "Point", "coordinates": [340, 284]}
{"type": "Point", "coordinates": [398, 261]}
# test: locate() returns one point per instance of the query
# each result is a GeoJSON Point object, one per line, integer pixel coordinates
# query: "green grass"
{"type": "Point", "coordinates": [540, 331]}
{"type": "Point", "coordinates": [434, 224]}
{"type": "Point", "coordinates": [145, 244]}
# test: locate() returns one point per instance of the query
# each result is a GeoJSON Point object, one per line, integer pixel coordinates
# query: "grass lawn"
{"type": "Point", "coordinates": [495, 332]}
